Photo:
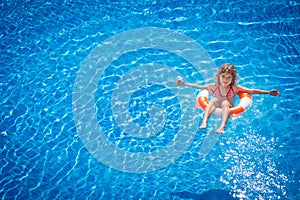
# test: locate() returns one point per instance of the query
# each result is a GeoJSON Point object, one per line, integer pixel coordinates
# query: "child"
{"type": "Point", "coordinates": [224, 91]}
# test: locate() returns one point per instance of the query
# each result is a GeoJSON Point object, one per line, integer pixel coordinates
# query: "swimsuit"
{"type": "Point", "coordinates": [229, 96]}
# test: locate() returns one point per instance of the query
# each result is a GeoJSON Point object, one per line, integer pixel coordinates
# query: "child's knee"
{"type": "Point", "coordinates": [226, 104]}
{"type": "Point", "coordinates": [214, 100]}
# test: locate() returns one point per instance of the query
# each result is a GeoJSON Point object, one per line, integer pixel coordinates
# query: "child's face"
{"type": "Point", "coordinates": [225, 79]}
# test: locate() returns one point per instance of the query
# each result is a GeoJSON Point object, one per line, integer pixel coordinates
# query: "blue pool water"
{"type": "Point", "coordinates": [47, 57]}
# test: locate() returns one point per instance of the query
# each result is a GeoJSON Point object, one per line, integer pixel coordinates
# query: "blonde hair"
{"type": "Point", "coordinates": [227, 68]}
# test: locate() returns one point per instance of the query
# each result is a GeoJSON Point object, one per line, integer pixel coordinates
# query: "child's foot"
{"type": "Point", "coordinates": [203, 125]}
{"type": "Point", "coordinates": [220, 130]}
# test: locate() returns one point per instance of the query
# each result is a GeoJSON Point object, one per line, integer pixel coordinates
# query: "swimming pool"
{"type": "Point", "coordinates": [47, 57]}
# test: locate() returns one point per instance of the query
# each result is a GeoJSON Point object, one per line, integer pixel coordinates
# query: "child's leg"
{"type": "Point", "coordinates": [225, 114]}
{"type": "Point", "coordinates": [209, 110]}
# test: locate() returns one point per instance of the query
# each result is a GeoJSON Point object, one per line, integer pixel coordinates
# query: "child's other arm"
{"type": "Point", "coordinates": [258, 91]}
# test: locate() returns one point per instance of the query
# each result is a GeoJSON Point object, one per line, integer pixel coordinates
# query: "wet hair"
{"type": "Point", "coordinates": [227, 68]}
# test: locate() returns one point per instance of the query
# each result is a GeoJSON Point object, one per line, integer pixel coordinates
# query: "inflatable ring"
{"type": "Point", "coordinates": [244, 104]}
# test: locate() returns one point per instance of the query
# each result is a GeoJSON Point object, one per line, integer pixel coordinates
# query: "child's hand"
{"type": "Point", "coordinates": [179, 82]}
{"type": "Point", "coordinates": [274, 93]}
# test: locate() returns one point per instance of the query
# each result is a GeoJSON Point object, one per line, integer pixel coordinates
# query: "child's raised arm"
{"type": "Point", "coordinates": [181, 82]}
{"type": "Point", "coordinates": [257, 91]}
